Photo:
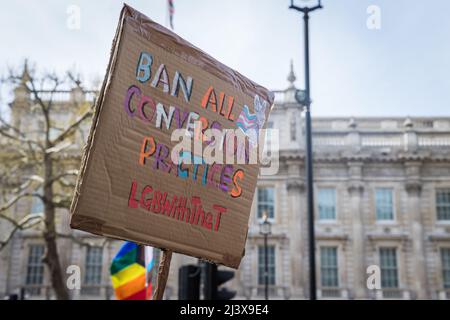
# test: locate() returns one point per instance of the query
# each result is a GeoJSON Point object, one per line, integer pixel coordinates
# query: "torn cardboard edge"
{"type": "Point", "coordinates": [138, 23]}
{"type": "Point", "coordinates": [95, 226]}
{"type": "Point", "coordinates": [196, 56]}
{"type": "Point", "coordinates": [98, 108]}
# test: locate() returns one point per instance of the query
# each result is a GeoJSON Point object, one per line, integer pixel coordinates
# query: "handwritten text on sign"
{"type": "Point", "coordinates": [221, 176]}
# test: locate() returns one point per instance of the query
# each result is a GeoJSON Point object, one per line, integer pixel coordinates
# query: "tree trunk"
{"type": "Point", "coordinates": [51, 258]}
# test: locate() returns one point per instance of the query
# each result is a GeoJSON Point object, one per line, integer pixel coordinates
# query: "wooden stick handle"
{"type": "Point", "coordinates": [163, 274]}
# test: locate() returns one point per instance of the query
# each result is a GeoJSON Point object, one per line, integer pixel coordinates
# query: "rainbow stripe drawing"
{"type": "Point", "coordinates": [251, 123]}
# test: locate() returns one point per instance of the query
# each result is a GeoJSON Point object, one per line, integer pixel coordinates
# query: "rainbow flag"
{"type": "Point", "coordinates": [129, 273]}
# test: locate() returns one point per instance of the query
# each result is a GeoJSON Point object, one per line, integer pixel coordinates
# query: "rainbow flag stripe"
{"type": "Point", "coordinates": [128, 272]}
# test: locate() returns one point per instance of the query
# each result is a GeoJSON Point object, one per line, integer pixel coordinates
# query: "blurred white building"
{"type": "Point", "coordinates": [382, 197]}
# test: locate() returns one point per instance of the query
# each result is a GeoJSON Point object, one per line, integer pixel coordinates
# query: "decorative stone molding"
{"type": "Point", "coordinates": [293, 167]}
{"type": "Point", "coordinates": [402, 238]}
{"type": "Point", "coordinates": [355, 188]}
{"type": "Point", "coordinates": [334, 237]}
{"type": "Point", "coordinates": [436, 237]}
{"type": "Point", "coordinates": [412, 168]}
{"type": "Point", "coordinates": [355, 169]}
{"type": "Point", "coordinates": [387, 236]}
{"type": "Point", "coordinates": [257, 237]}
{"type": "Point", "coordinates": [295, 185]}
{"type": "Point", "coordinates": [413, 187]}
{"type": "Point", "coordinates": [408, 123]}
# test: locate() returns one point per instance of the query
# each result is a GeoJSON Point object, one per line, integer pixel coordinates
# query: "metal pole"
{"type": "Point", "coordinates": [266, 268]}
{"type": "Point", "coordinates": [309, 167]}
{"type": "Point", "coordinates": [309, 153]}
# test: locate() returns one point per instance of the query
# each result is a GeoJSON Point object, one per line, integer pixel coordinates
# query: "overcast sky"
{"type": "Point", "coordinates": [400, 69]}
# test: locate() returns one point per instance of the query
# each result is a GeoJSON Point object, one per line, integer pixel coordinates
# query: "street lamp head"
{"type": "Point", "coordinates": [265, 226]}
{"type": "Point", "coordinates": [306, 2]}
{"type": "Point", "coordinates": [301, 97]}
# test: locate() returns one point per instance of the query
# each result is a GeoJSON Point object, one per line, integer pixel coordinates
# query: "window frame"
{"type": "Point", "coordinates": [445, 268]}
{"type": "Point", "coordinates": [333, 220]}
{"type": "Point", "coordinates": [393, 205]}
{"type": "Point", "coordinates": [91, 265]}
{"type": "Point", "coordinates": [390, 268]}
{"type": "Point", "coordinates": [272, 265]}
{"type": "Point", "coordinates": [436, 205]}
{"type": "Point", "coordinates": [35, 265]}
{"type": "Point", "coordinates": [266, 203]}
{"type": "Point", "coordinates": [334, 268]}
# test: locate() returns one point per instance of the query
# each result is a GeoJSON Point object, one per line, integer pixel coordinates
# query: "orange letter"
{"type": "Point", "coordinates": [237, 190]}
{"type": "Point", "coordinates": [146, 154]}
{"type": "Point", "coordinates": [210, 98]}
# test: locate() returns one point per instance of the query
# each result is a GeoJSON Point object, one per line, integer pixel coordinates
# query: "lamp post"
{"type": "Point", "coordinates": [304, 97]}
{"type": "Point", "coordinates": [265, 228]}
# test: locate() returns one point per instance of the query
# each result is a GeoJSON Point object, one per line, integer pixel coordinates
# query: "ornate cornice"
{"type": "Point", "coordinates": [367, 156]}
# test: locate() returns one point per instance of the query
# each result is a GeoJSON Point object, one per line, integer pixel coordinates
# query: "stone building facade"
{"type": "Point", "coordinates": [382, 201]}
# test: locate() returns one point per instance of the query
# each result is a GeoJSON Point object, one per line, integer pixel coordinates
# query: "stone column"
{"type": "Point", "coordinates": [410, 136]}
{"type": "Point", "coordinates": [414, 188]}
{"type": "Point", "coordinates": [356, 191]}
{"type": "Point", "coordinates": [295, 187]}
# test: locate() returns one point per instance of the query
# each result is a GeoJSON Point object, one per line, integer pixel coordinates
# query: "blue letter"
{"type": "Point", "coordinates": [145, 63]}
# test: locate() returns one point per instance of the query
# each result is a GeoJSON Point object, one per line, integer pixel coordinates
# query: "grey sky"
{"type": "Point", "coordinates": [401, 69]}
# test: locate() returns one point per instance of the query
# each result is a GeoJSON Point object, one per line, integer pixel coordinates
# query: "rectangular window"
{"type": "Point", "coordinates": [93, 272]}
{"type": "Point", "coordinates": [266, 202]}
{"type": "Point", "coordinates": [384, 204]}
{"type": "Point", "coordinates": [35, 269]}
{"type": "Point", "coordinates": [388, 266]}
{"type": "Point", "coordinates": [327, 203]}
{"type": "Point", "coordinates": [37, 206]}
{"type": "Point", "coordinates": [445, 256]}
{"type": "Point", "coordinates": [443, 204]}
{"type": "Point", "coordinates": [270, 264]}
{"type": "Point", "coordinates": [329, 267]}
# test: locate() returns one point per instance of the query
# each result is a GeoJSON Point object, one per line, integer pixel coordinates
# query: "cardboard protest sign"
{"type": "Point", "coordinates": [136, 182]}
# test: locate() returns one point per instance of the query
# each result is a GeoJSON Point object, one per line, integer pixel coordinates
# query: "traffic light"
{"type": "Point", "coordinates": [213, 279]}
{"type": "Point", "coordinates": [189, 282]}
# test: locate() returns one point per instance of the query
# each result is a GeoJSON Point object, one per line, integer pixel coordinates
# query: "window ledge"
{"type": "Point", "coordinates": [328, 221]}
{"type": "Point", "coordinates": [386, 222]}
{"type": "Point", "coordinates": [332, 293]}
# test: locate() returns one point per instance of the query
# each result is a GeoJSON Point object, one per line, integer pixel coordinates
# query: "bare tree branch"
{"type": "Point", "coordinates": [44, 157]}
{"type": "Point", "coordinates": [27, 222]}
{"type": "Point", "coordinates": [72, 128]}
{"type": "Point", "coordinates": [68, 173]}
{"type": "Point", "coordinates": [14, 200]}
{"type": "Point", "coordinates": [82, 242]}
{"type": "Point", "coordinates": [29, 142]}
{"type": "Point", "coordinates": [44, 107]}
